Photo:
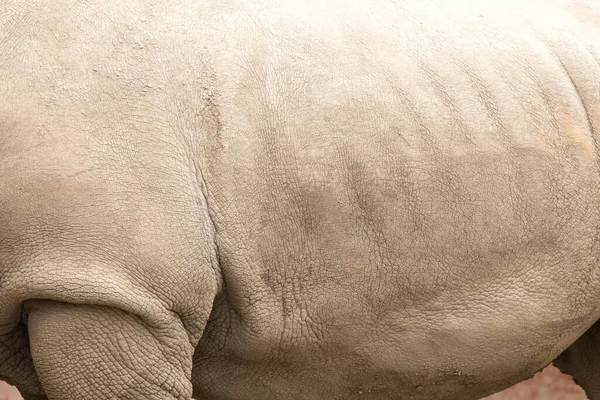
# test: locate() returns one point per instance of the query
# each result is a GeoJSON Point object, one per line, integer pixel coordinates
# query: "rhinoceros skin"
{"type": "Point", "coordinates": [324, 199]}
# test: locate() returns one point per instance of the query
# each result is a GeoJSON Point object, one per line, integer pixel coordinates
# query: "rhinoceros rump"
{"type": "Point", "coordinates": [321, 199]}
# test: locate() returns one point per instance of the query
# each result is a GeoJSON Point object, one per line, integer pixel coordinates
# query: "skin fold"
{"type": "Point", "coordinates": [298, 200]}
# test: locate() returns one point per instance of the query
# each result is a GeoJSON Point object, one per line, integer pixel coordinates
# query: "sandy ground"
{"type": "Point", "coordinates": [8, 392]}
{"type": "Point", "coordinates": [549, 384]}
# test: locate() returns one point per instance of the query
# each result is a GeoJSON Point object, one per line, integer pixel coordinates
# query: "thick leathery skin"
{"type": "Point", "coordinates": [295, 200]}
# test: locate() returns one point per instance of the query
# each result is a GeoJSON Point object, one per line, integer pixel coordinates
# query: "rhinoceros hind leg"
{"type": "Point", "coordinates": [581, 360]}
{"type": "Point", "coordinates": [86, 352]}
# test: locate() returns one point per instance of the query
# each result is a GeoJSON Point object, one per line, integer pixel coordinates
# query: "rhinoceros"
{"type": "Point", "coordinates": [282, 199]}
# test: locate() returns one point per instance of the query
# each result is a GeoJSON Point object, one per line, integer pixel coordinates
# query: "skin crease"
{"type": "Point", "coordinates": [297, 200]}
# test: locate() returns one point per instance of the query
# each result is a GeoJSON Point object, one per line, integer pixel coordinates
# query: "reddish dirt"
{"type": "Point", "coordinates": [8, 392]}
{"type": "Point", "coordinates": [549, 384]}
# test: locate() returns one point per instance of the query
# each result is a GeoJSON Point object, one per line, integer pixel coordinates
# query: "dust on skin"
{"type": "Point", "coordinates": [549, 384]}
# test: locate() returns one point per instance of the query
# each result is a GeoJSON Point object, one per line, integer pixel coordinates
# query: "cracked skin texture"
{"type": "Point", "coordinates": [273, 200]}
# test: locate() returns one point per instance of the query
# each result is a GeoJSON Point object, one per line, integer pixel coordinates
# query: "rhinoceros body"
{"type": "Point", "coordinates": [297, 200]}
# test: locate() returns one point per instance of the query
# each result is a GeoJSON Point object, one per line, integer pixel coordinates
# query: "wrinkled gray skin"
{"type": "Point", "coordinates": [297, 199]}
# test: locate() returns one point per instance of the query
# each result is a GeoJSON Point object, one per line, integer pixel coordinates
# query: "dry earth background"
{"type": "Point", "coordinates": [549, 384]}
